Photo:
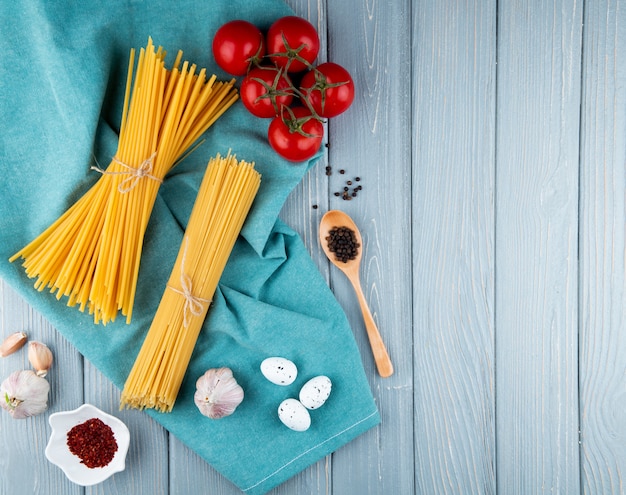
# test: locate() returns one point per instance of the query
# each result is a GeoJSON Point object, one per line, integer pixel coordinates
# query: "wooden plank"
{"type": "Point", "coordinates": [538, 105]}
{"type": "Point", "coordinates": [23, 465]}
{"type": "Point", "coordinates": [373, 141]}
{"type": "Point", "coordinates": [454, 50]}
{"type": "Point", "coordinates": [602, 247]}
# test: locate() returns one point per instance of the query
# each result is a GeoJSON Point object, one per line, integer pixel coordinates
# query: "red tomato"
{"type": "Point", "coordinates": [295, 134]}
{"type": "Point", "coordinates": [264, 91]}
{"type": "Point", "coordinates": [329, 88]}
{"type": "Point", "coordinates": [237, 45]}
{"type": "Point", "coordinates": [293, 43]}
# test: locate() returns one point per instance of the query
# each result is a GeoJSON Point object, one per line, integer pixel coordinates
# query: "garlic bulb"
{"type": "Point", "coordinates": [217, 393]}
{"type": "Point", "coordinates": [40, 357]}
{"type": "Point", "coordinates": [12, 343]}
{"type": "Point", "coordinates": [24, 394]}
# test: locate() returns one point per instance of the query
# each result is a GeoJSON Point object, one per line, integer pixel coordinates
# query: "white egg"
{"type": "Point", "coordinates": [315, 392]}
{"type": "Point", "coordinates": [294, 415]}
{"type": "Point", "coordinates": [279, 370]}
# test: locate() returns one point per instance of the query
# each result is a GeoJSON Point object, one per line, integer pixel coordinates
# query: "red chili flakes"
{"type": "Point", "coordinates": [93, 442]}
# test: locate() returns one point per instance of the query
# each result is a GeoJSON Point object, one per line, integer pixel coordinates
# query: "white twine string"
{"type": "Point", "coordinates": [144, 170]}
{"type": "Point", "coordinates": [193, 304]}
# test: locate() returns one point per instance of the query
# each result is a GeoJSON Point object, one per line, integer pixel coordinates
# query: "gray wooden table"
{"type": "Point", "coordinates": [491, 141]}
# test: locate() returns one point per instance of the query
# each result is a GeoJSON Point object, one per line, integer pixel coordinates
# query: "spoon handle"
{"type": "Point", "coordinates": [381, 357]}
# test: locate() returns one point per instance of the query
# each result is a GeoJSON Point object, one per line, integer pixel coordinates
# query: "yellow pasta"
{"type": "Point", "coordinates": [223, 202]}
{"type": "Point", "coordinates": [91, 253]}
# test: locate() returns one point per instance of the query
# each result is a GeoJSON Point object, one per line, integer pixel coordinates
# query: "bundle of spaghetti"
{"type": "Point", "coordinates": [91, 253]}
{"type": "Point", "coordinates": [221, 207]}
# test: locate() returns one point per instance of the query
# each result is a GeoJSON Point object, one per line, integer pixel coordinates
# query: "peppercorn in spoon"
{"type": "Point", "coordinates": [341, 242]}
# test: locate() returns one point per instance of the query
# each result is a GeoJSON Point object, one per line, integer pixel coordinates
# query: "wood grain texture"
{"type": "Point", "coordinates": [490, 139]}
{"type": "Point", "coordinates": [371, 39]}
{"type": "Point", "coordinates": [453, 254]}
{"type": "Point", "coordinates": [538, 105]}
{"type": "Point", "coordinates": [602, 248]}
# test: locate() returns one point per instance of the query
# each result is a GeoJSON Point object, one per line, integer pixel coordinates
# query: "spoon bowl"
{"type": "Point", "coordinates": [334, 219]}
{"type": "Point", "coordinates": [331, 220]}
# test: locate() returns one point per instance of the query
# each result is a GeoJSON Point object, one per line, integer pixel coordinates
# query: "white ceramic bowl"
{"type": "Point", "coordinates": [59, 453]}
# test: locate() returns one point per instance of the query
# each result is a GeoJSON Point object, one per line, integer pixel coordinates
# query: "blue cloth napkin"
{"type": "Point", "coordinates": [62, 78]}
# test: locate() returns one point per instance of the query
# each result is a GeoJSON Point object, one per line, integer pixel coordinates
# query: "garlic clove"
{"type": "Point", "coordinates": [40, 357]}
{"type": "Point", "coordinates": [24, 394]}
{"type": "Point", "coordinates": [12, 343]}
{"type": "Point", "coordinates": [217, 393]}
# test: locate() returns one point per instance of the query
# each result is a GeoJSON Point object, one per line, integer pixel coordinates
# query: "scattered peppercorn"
{"type": "Point", "coordinates": [342, 242]}
{"type": "Point", "coordinates": [315, 207]}
{"type": "Point", "coordinates": [93, 442]}
{"type": "Point", "coordinates": [346, 193]}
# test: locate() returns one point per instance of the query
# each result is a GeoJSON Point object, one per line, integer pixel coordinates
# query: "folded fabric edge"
{"type": "Point", "coordinates": [312, 455]}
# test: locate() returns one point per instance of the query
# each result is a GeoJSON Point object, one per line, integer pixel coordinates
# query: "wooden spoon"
{"type": "Point", "coordinates": [333, 219]}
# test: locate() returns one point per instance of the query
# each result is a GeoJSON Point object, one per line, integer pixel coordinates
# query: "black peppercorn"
{"type": "Point", "coordinates": [342, 242]}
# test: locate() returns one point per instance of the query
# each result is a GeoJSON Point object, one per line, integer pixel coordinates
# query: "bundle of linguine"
{"type": "Point", "coordinates": [91, 254]}
{"type": "Point", "coordinates": [219, 212]}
